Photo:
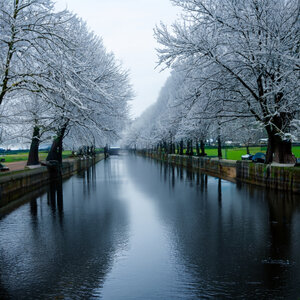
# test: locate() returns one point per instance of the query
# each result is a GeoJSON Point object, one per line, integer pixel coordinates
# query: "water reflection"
{"type": "Point", "coordinates": [134, 228]}
{"type": "Point", "coordinates": [235, 241]}
{"type": "Point", "coordinates": [220, 192]}
{"type": "Point", "coordinates": [55, 199]}
{"type": "Point", "coordinates": [33, 210]}
{"type": "Point", "coordinates": [62, 244]}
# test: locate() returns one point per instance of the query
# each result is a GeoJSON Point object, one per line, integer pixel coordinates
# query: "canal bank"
{"type": "Point", "coordinates": [14, 185]}
{"type": "Point", "coordinates": [276, 177]}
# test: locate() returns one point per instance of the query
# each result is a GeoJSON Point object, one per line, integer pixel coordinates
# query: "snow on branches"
{"type": "Point", "coordinates": [247, 56]}
{"type": "Point", "coordinates": [56, 77]}
{"type": "Point", "coordinates": [238, 68]}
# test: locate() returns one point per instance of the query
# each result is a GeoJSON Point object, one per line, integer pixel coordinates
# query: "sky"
{"type": "Point", "coordinates": [126, 27]}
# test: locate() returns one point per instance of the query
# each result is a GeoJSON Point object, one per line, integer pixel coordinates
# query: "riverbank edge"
{"type": "Point", "coordinates": [15, 184]}
{"type": "Point", "coordinates": [275, 177]}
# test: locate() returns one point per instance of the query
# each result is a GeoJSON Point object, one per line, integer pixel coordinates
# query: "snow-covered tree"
{"type": "Point", "coordinates": [89, 89]}
{"type": "Point", "coordinates": [249, 51]}
{"type": "Point", "coordinates": [57, 78]}
{"type": "Point", "coordinates": [29, 30]}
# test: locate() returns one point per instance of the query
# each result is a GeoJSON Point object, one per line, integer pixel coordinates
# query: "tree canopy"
{"type": "Point", "coordinates": [57, 79]}
{"type": "Point", "coordinates": [240, 63]}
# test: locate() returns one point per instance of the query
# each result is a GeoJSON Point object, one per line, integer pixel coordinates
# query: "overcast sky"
{"type": "Point", "coordinates": [126, 27]}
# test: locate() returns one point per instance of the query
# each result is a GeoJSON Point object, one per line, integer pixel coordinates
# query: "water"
{"type": "Point", "coordinates": [134, 228]}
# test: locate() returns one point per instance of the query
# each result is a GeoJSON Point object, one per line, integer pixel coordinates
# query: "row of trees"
{"type": "Point", "coordinates": [57, 80]}
{"type": "Point", "coordinates": [235, 74]}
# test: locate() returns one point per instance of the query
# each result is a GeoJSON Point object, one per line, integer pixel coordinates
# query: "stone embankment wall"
{"type": "Point", "coordinates": [15, 184]}
{"type": "Point", "coordinates": [275, 177]}
{"type": "Point", "coordinates": [269, 176]}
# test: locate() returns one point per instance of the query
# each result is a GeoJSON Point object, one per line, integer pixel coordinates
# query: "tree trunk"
{"type": "Point", "coordinates": [191, 148]}
{"type": "Point", "coordinates": [33, 157]}
{"type": "Point", "coordinates": [172, 148]}
{"type": "Point", "coordinates": [165, 148]}
{"type": "Point", "coordinates": [181, 147]}
{"type": "Point", "coordinates": [55, 152]}
{"type": "Point", "coordinates": [197, 148]}
{"type": "Point", "coordinates": [187, 147]}
{"type": "Point", "coordinates": [247, 148]}
{"type": "Point", "coordinates": [279, 150]}
{"type": "Point", "coordinates": [219, 147]}
{"type": "Point", "coordinates": [202, 147]}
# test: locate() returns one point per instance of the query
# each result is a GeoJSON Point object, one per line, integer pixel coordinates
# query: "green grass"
{"type": "Point", "coordinates": [24, 156]}
{"type": "Point", "coordinates": [296, 151]}
{"type": "Point", "coordinates": [236, 153]}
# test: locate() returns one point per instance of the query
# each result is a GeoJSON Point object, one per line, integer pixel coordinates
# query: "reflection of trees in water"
{"type": "Point", "coordinates": [281, 210]}
{"type": "Point", "coordinates": [224, 233]}
{"type": "Point", "coordinates": [88, 179]}
{"type": "Point", "coordinates": [278, 266]}
{"type": "Point", "coordinates": [73, 258]}
{"type": "Point", "coordinates": [55, 198]}
{"type": "Point", "coordinates": [220, 192]}
{"type": "Point", "coordinates": [33, 210]}
{"type": "Point", "coordinates": [172, 176]}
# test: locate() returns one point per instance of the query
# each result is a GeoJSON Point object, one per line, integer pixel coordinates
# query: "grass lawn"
{"type": "Point", "coordinates": [24, 156]}
{"type": "Point", "coordinates": [236, 153]}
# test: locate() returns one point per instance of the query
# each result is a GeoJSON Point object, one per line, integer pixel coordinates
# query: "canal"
{"type": "Point", "coordinates": [135, 228]}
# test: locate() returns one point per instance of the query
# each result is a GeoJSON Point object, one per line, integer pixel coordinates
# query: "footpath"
{"type": "Point", "coordinates": [16, 166]}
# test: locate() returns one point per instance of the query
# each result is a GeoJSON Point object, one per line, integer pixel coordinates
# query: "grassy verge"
{"type": "Point", "coordinates": [236, 153]}
{"type": "Point", "coordinates": [24, 156]}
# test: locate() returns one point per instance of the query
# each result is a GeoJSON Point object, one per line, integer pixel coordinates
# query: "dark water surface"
{"type": "Point", "coordinates": [134, 228]}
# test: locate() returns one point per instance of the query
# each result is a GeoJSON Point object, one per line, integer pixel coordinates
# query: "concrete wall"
{"type": "Point", "coordinates": [213, 166]}
{"type": "Point", "coordinates": [13, 185]}
{"type": "Point", "coordinates": [275, 177]}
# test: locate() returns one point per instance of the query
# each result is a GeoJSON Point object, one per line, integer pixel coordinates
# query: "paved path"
{"type": "Point", "coordinates": [16, 166]}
